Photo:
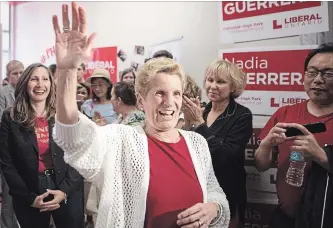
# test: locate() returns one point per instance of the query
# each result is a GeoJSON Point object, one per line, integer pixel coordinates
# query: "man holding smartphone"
{"type": "Point", "coordinates": [318, 84]}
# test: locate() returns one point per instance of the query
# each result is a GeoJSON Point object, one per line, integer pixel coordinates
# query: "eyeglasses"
{"type": "Point", "coordinates": [327, 74]}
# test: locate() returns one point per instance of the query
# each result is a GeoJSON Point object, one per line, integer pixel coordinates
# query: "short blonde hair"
{"type": "Point", "coordinates": [192, 90]}
{"type": "Point", "coordinates": [12, 65]}
{"type": "Point", "coordinates": [151, 68]}
{"type": "Point", "coordinates": [236, 74]}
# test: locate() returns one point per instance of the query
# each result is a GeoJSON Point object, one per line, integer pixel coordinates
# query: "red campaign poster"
{"type": "Point", "coordinates": [271, 70]}
{"type": "Point", "coordinates": [257, 20]}
{"type": "Point", "coordinates": [255, 180]}
{"type": "Point", "coordinates": [106, 58]}
{"type": "Point", "coordinates": [252, 146]}
{"type": "Point", "coordinates": [242, 9]}
{"type": "Point", "coordinates": [274, 76]}
{"type": "Point", "coordinates": [260, 187]}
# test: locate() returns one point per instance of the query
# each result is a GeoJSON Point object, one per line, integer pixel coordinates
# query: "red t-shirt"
{"type": "Point", "coordinates": [290, 196]}
{"type": "Point", "coordinates": [42, 134]}
{"type": "Point", "coordinates": [173, 184]}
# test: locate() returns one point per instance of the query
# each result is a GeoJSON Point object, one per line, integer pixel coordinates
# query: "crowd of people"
{"type": "Point", "coordinates": [145, 151]}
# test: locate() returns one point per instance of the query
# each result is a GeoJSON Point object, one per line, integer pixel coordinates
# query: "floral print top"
{"type": "Point", "coordinates": [132, 118]}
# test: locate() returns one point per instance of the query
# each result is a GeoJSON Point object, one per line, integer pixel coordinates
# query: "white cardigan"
{"type": "Point", "coordinates": [115, 158]}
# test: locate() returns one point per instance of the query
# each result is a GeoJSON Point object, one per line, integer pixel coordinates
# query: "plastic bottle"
{"type": "Point", "coordinates": [295, 173]}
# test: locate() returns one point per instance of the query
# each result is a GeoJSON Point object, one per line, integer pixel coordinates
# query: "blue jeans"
{"type": "Point", "coordinates": [69, 215]}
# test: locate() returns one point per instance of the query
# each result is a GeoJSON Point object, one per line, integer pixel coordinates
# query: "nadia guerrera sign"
{"type": "Point", "coordinates": [241, 21]}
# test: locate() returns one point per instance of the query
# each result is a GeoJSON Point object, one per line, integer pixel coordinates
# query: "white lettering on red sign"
{"type": "Point", "coordinates": [282, 78]}
{"type": "Point", "coordinates": [241, 7]}
{"type": "Point", "coordinates": [285, 101]}
{"type": "Point", "coordinates": [254, 140]}
{"type": "Point", "coordinates": [100, 64]}
{"type": "Point", "coordinates": [253, 63]}
{"type": "Point", "coordinates": [267, 78]}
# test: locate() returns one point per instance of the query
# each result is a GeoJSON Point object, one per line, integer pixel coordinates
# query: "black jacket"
{"type": "Point", "coordinates": [318, 196]}
{"type": "Point", "coordinates": [19, 161]}
{"type": "Point", "coordinates": [227, 138]}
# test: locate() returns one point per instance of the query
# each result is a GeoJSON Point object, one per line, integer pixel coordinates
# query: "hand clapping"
{"type": "Point", "coordinates": [192, 110]}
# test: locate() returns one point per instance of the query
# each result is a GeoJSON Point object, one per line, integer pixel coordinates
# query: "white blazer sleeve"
{"type": "Point", "coordinates": [214, 192]}
{"type": "Point", "coordinates": [85, 146]}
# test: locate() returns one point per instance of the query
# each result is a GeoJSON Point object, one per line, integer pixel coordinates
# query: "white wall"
{"type": "Point", "coordinates": [131, 23]}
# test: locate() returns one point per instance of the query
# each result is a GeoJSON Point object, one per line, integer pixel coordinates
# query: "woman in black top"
{"type": "Point", "coordinates": [40, 183]}
{"type": "Point", "coordinates": [227, 126]}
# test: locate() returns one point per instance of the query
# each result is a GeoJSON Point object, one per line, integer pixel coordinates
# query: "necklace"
{"type": "Point", "coordinates": [227, 113]}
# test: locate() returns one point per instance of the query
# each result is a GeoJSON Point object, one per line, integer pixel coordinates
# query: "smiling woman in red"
{"type": "Point", "coordinates": [39, 180]}
{"type": "Point", "coordinates": [136, 167]}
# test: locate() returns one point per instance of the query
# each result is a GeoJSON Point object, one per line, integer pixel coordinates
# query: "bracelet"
{"type": "Point", "coordinates": [219, 214]}
{"type": "Point", "coordinates": [195, 127]}
{"type": "Point", "coordinates": [65, 200]}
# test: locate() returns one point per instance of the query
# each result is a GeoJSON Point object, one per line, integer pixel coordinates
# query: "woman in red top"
{"type": "Point", "coordinates": [154, 176]}
{"type": "Point", "coordinates": [32, 163]}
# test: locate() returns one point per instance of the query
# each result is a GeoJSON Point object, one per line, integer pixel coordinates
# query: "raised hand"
{"type": "Point", "coordinates": [72, 45]}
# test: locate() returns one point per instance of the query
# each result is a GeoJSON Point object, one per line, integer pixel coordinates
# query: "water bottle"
{"type": "Point", "coordinates": [295, 173]}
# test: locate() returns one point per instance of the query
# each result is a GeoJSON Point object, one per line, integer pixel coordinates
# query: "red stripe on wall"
{"type": "Point", "coordinates": [15, 3]}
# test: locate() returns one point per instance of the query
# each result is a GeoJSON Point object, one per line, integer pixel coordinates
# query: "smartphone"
{"type": "Point", "coordinates": [312, 127]}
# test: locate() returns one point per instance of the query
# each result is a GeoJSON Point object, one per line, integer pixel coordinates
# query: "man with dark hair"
{"type": "Point", "coordinates": [80, 73]}
{"type": "Point", "coordinates": [163, 53]}
{"type": "Point", "coordinates": [310, 198]}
